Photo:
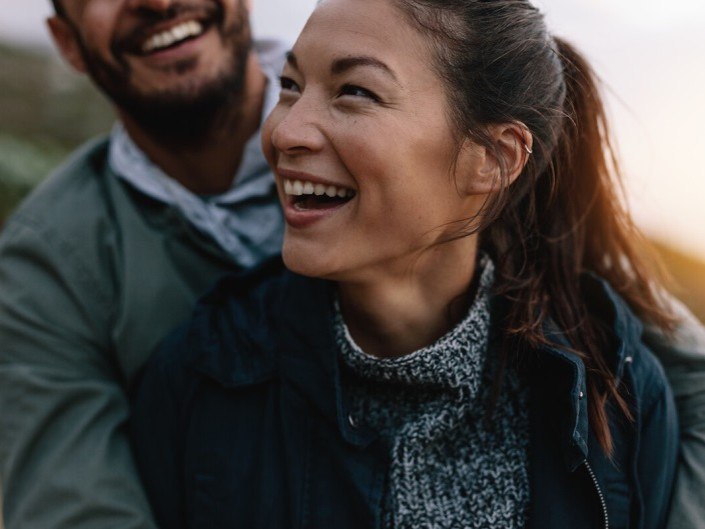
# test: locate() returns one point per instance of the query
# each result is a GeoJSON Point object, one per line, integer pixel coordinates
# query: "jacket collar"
{"type": "Point", "coordinates": [625, 333]}
{"type": "Point", "coordinates": [308, 355]}
{"type": "Point", "coordinates": [237, 317]}
{"type": "Point", "coordinates": [232, 340]}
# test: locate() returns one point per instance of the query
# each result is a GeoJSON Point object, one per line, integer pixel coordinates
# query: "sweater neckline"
{"type": "Point", "coordinates": [454, 360]}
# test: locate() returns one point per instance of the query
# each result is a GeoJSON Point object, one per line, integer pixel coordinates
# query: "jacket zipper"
{"type": "Point", "coordinates": [605, 516]}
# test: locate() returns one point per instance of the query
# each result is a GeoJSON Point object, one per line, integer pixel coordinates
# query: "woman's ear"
{"type": "Point", "coordinates": [66, 40]}
{"type": "Point", "coordinates": [481, 167]}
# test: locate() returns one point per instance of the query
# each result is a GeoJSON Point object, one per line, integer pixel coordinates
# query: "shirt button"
{"type": "Point", "coordinates": [352, 421]}
{"type": "Point", "coordinates": [581, 395]}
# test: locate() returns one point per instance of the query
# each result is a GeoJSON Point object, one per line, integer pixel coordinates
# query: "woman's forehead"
{"type": "Point", "coordinates": [370, 28]}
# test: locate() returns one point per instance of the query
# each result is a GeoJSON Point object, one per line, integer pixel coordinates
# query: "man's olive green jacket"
{"type": "Point", "coordinates": [92, 276]}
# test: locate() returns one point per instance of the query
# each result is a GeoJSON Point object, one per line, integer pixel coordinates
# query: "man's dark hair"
{"type": "Point", "coordinates": [58, 8]}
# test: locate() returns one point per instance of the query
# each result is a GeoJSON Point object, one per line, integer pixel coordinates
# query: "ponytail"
{"type": "Point", "coordinates": [614, 247]}
{"type": "Point", "coordinates": [571, 220]}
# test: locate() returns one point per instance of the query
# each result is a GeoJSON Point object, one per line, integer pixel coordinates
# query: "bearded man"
{"type": "Point", "coordinates": [113, 249]}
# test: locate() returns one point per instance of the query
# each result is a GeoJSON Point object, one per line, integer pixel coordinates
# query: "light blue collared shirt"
{"type": "Point", "coordinates": [245, 221]}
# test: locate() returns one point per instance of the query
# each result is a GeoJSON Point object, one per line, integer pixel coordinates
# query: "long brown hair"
{"type": "Point", "coordinates": [565, 214]}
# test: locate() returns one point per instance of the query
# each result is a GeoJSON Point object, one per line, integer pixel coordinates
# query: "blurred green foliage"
{"type": "Point", "coordinates": [45, 111]}
{"type": "Point", "coordinates": [22, 166]}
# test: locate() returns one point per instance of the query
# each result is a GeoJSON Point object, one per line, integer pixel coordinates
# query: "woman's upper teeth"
{"type": "Point", "coordinates": [166, 38]}
{"type": "Point", "coordinates": [299, 188]}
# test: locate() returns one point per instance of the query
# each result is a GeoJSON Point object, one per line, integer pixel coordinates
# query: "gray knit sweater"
{"type": "Point", "coordinates": [450, 468]}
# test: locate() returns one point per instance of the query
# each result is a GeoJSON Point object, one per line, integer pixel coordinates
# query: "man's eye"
{"type": "Point", "coordinates": [288, 84]}
{"type": "Point", "coordinates": [358, 91]}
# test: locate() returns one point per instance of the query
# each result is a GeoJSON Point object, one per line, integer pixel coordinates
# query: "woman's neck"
{"type": "Point", "coordinates": [396, 314]}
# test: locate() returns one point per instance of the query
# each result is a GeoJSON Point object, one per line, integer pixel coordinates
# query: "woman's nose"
{"type": "Point", "coordinates": [299, 130]}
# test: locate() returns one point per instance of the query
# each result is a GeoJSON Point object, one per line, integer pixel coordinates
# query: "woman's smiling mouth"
{"type": "Point", "coordinates": [309, 199]}
{"type": "Point", "coordinates": [304, 194]}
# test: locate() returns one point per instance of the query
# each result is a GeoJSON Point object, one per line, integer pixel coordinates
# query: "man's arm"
{"type": "Point", "coordinates": [683, 357]}
{"type": "Point", "coordinates": [65, 461]}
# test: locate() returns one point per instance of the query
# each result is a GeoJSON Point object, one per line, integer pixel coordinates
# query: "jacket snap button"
{"type": "Point", "coordinates": [581, 395]}
{"type": "Point", "coordinates": [352, 421]}
{"type": "Point", "coordinates": [628, 360]}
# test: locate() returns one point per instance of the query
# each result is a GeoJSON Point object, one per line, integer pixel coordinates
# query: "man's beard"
{"type": "Point", "coordinates": [181, 118]}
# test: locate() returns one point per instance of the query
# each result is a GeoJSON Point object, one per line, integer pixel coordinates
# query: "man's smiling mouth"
{"type": "Point", "coordinates": [173, 36]}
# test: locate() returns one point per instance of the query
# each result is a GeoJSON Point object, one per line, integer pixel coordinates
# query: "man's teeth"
{"type": "Point", "coordinates": [167, 38]}
{"type": "Point", "coordinates": [298, 188]}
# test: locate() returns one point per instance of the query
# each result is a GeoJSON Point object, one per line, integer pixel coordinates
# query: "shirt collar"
{"type": "Point", "coordinates": [253, 177]}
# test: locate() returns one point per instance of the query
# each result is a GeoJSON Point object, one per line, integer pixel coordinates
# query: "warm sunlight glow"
{"type": "Point", "coordinates": [652, 13]}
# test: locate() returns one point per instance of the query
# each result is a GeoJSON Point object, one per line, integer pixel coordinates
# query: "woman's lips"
{"type": "Point", "coordinates": [306, 203]}
{"type": "Point", "coordinates": [300, 188]}
{"type": "Point", "coordinates": [300, 217]}
{"type": "Point", "coordinates": [308, 198]}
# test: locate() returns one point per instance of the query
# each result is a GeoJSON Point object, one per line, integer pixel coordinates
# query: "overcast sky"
{"type": "Point", "coordinates": [651, 55]}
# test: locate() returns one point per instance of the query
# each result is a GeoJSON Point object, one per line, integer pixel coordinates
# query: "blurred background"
{"type": "Point", "coordinates": [649, 54]}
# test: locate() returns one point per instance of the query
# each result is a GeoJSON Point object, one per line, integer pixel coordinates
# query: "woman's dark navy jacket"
{"type": "Point", "coordinates": [240, 421]}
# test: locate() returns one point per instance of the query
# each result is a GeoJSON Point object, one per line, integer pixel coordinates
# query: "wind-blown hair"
{"type": "Point", "coordinates": [565, 214]}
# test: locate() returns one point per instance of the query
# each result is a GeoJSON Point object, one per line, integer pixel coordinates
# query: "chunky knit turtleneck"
{"type": "Point", "coordinates": [451, 468]}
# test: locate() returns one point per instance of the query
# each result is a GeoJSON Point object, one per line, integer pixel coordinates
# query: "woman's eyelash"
{"type": "Point", "coordinates": [358, 91]}
{"type": "Point", "coordinates": [286, 83]}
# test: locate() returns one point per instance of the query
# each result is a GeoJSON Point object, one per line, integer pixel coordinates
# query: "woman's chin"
{"type": "Point", "coordinates": [305, 264]}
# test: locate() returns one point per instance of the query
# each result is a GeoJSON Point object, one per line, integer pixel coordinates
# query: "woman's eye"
{"type": "Point", "coordinates": [288, 84]}
{"type": "Point", "coordinates": [358, 91]}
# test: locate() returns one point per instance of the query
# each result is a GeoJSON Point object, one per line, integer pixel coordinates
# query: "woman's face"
{"type": "Point", "coordinates": [363, 117]}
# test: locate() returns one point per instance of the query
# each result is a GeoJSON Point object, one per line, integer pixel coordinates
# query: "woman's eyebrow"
{"type": "Point", "coordinates": [346, 63]}
{"type": "Point", "coordinates": [291, 59]}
